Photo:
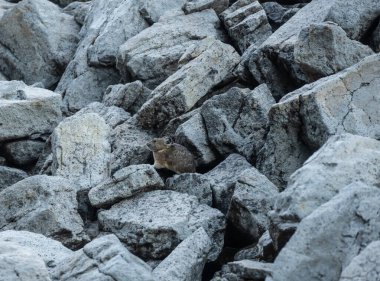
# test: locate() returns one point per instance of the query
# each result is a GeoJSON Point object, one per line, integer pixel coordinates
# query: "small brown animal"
{"type": "Point", "coordinates": [172, 156]}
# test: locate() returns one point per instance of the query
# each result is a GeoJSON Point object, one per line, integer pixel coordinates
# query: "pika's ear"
{"type": "Point", "coordinates": [168, 140]}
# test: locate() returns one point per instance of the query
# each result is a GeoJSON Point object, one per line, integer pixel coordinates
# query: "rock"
{"type": "Point", "coordinates": [323, 49]}
{"type": "Point", "coordinates": [192, 184]}
{"type": "Point", "coordinates": [152, 224]}
{"type": "Point", "coordinates": [262, 251]}
{"type": "Point", "coordinates": [18, 263]}
{"type": "Point", "coordinates": [278, 14]}
{"type": "Point", "coordinates": [23, 152]}
{"type": "Point", "coordinates": [253, 198]}
{"type": "Point", "coordinates": [247, 23]}
{"type": "Point", "coordinates": [103, 259]}
{"type": "Point", "coordinates": [193, 6]}
{"type": "Point", "coordinates": [376, 39]}
{"type": "Point", "coordinates": [174, 124]}
{"type": "Point", "coordinates": [244, 270]}
{"type": "Point", "coordinates": [152, 55]}
{"type": "Point", "coordinates": [180, 92]}
{"type": "Point", "coordinates": [81, 151]}
{"type": "Point", "coordinates": [37, 41]}
{"type": "Point", "coordinates": [64, 3]}
{"type": "Point", "coordinates": [5, 6]}
{"type": "Point", "coordinates": [187, 260]}
{"type": "Point", "coordinates": [303, 120]}
{"type": "Point", "coordinates": [49, 250]}
{"type": "Point", "coordinates": [365, 266]}
{"type": "Point", "coordinates": [79, 10]}
{"type": "Point", "coordinates": [328, 239]}
{"type": "Point", "coordinates": [27, 111]}
{"type": "Point", "coordinates": [124, 184]}
{"type": "Point", "coordinates": [45, 205]}
{"type": "Point", "coordinates": [9, 176]}
{"type": "Point", "coordinates": [129, 97]}
{"type": "Point", "coordinates": [223, 178]}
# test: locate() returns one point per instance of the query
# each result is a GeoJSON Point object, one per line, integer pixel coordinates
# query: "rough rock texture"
{"type": "Point", "coordinates": [152, 55]}
{"type": "Point", "coordinates": [45, 205]}
{"type": "Point", "coordinates": [180, 92]}
{"type": "Point", "coordinates": [193, 6]}
{"type": "Point", "coordinates": [376, 39]}
{"type": "Point", "coordinates": [4, 6]}
{"type": "Point", "coordinates": [23, 152]}
{"type": "Point", "coordinates": [37, 41]}
{"type": "Point", "coordinates": [79, 10]}
{"type": "Point", "coordinates": [154, 223]}
{"type": "Point", "coordinates": [81, 151]}
{"type": "Point", "coordinates": [328, 239]}
{"type": "Point", "coordinates": [103, 259]}
{"type": "Point", "coordinates": [278, 14]}
{"type": "Point", "coordinates": [187, 260]}
{"type": "Point", "coordinates": [244, 270]}
{"type": "Point", "coordinates": [304, 119]}
{"type": "Point", "coordinates": [263, 250]}
{"type": "Point", "coordinates": [27, 111]}
{"type": "Point", "coordinates": [124, 184]}
{"type": "Point", "coordinates": [9, 176]}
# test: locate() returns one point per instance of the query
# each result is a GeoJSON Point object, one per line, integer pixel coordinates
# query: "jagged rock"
{"type": "Point", "coordinates": [193, 6]}
{"type": "Point", "coordinates": [304, 119]}
{"type": "Point", "coordinates": [223, 178]}
{"type": "Point", "coordinates": [49, 250]}
{"type": "Point", "coordinates": [9, 176]}
{"type": "Point", "coordinates": [253, 198]}
{"type": "Point", "coordinates": [152, 224]}
{"type": "Point", "coordinates": [247, 23]}
{"type": "Point", "coordinates": [365, 266]}
{"type": "Point", "coordinates": [180, 92]}
{"type": "Point", "coordinates": [329, 238]}
{"type": "Point", "coordinates": [244, 270]}
{"type": "Point", "coordinates": [19, 263]}
{"type": "Point", "coordinates": [187, 260]}
{"type": "Point", "coordinates": [103, 259]}
{"type": "Point", "coordinates": [23, 152]}
{"type": "Point", "coordinates": [236, 120]}
{"type": "Point", "coordinates": [130, 96]}
{"type": "Point", "coordinates": [152, 55]}
{"type": "Point", "coordinates": [79, 10]}
{"type": "Point", "coordinates": [124, 184]}
{"type": "Point", "coordinates": [5, 6]}
{"type": "Point", "coordinates": [323, 49]}
{"type": "Point", "coordinates": [278, 14]}
{"type": "Point", "coordinates": [193, 184]}
{"type": "Point", "coordinates": [27, 111]}
{"type": "Point", "coordinates": [81, 151]}
{"type": "Point", "coordinates": [45, 205]}
{"type": "Point", "coordinates": [263, 250]}
{"type": "Point", "coordinates": [174, 124]}
{"type": "Point", "coordinates": [37, 41]}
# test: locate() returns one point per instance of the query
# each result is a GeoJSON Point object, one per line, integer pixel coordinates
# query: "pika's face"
{"type": "Point", "coordinates": [157, 144]}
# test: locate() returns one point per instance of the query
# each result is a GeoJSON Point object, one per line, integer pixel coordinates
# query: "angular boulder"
{"type": "Point", "coordinates": [23, 152]}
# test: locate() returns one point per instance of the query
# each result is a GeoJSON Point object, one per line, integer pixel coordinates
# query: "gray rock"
{"type": "Point", "coordinates": [365, 266]}
{"type": "Point", "coordinates": [253, 198]}
{"type": "Point", "coordinates": [64, 3]}
{"type": "Point", "coordinates": [103, 259]}
{"type": "Point", "coordinates": [45, 205]}
{"type": "Point", "coordinates": [223, 178]}
{"type": "Point", "coordinates": [303, 120]}
{"type": "Point", "coordinates": [18, 263]}
{"type": "Point", "coordinates": [193, 6]}
{"type": "Point", "coordinates": [193, 184]}
{"type": "Point", "coordinates": [124, 184]}
{"type": "Point", "coordinates": [2, 77]}
{"type": "Point", "coordinates": [174, 124]}
{"type": "Point", "coordinates": [152, 224]}
{"type": "Point", "coordinates": [5, 6]}
{"type": "Point", "coordinates": [376, 39]}
{"type": "Point", "coordinates": [244, 270]}
{"type": "Point", "coordinates": [79, 10]}
{"type": "Point", "coordinates": [23, 152]}
{"type": "Point", "coordinates": [247, 23]}
{"type": "Point", "coordinates": [152, 55]}
{"type": "Point", "coordinates": [27, 111]}
{"type": "Point", "coordinates": [262, 250]}
{"type": "Point", "coordinates": [187, 260]}
{"type": "Point", "coordinates": [180, 92]}
{"type": "Point", "coordinates": [278, 14]}
{"type": "Point", "coordinates": [9, 176]}
{"type": "Point", "coordinates": [129, 97]}
{"type": "Point", "coordinates": [329, 238]}
{"type": "Point", "coordinates": [37, 41]}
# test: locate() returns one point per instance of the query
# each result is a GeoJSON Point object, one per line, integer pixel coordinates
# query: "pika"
{"type": "Point", "coordinates": [172, 156]}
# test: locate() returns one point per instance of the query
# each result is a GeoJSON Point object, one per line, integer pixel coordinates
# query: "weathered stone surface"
{"type": "Point", "coordinates": [193, 184]}
{"type": "Point", "coordinates": [303, 120]}
{"type": "Point", "coordinates": [5, 6]}
{"type": "Point", "coordinates": [173, 124]}
{"type": "Point", "coordinates": [278, 14]}
{"type": "Point", "coordinates": [329, 238]}
{"type": "Point", "coordinates": [179, 93]}
{"type": "Point", "coordinates": [27, 111]}
{"type": "Point", "coordinates": [263, 250]}
{"type": "Point", "coordinates": [81, 151]}
{"type": "Point", "coordinates": [124, 184]}
{"type": "Point", "coordinates": [45, 205]}
{"type": "Point", "coordinates": [253, 198]}
{"type": "Point", "coordinates": [103, 259]}
{"type": "Point", "coordinates": [37, 41]}
{"type": "Point", "coordinates": [187, 260]}
{"type": "Point", "coordinates": [365, 266]}
{"type": "Point", "coordinates": [244, 270]}
{"type": "Point", "coordinates": [23, 152]}
{"type": "Point", "coordinates": [9, 176]}
{"type": "Point", "coordinates": [18, 263]}
{"type": "Point", "coordinates": [152, 55]}
{"type": "Point", "coordinates": [193, 6]}
{"type": "Point", "coordinates": [79, 10]}
{"type": "Point", "coordinates": [152, 224]}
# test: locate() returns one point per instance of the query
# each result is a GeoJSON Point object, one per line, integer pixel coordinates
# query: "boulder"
{"type": "Point", "coordinates": [45, 205]}
{"type": "Point", "coordinates": [23, 152]}
{"type": "Point", "coordinates": [152, 224]}
{"type": "Point", "coordinates": [278, 14]}
{"type": "Point", "coordinates": [5, 6]}
{"type": "Point", "coordinates": [37, 41]}
{"type": "Point", "coordinates": [9, 176]}
{"type": "Point", "coordinates": [244, 270]}
{"type": "Point", "coordinates": [193, 6]}
{"type": "Point", "coordinates": [78, 10]}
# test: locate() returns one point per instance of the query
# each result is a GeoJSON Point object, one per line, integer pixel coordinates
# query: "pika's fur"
{"type": "Point", "coordinates": [172, 156]}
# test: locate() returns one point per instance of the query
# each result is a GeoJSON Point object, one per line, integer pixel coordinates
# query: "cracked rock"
{"type": "Point", "coordinates": [193, 6]}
